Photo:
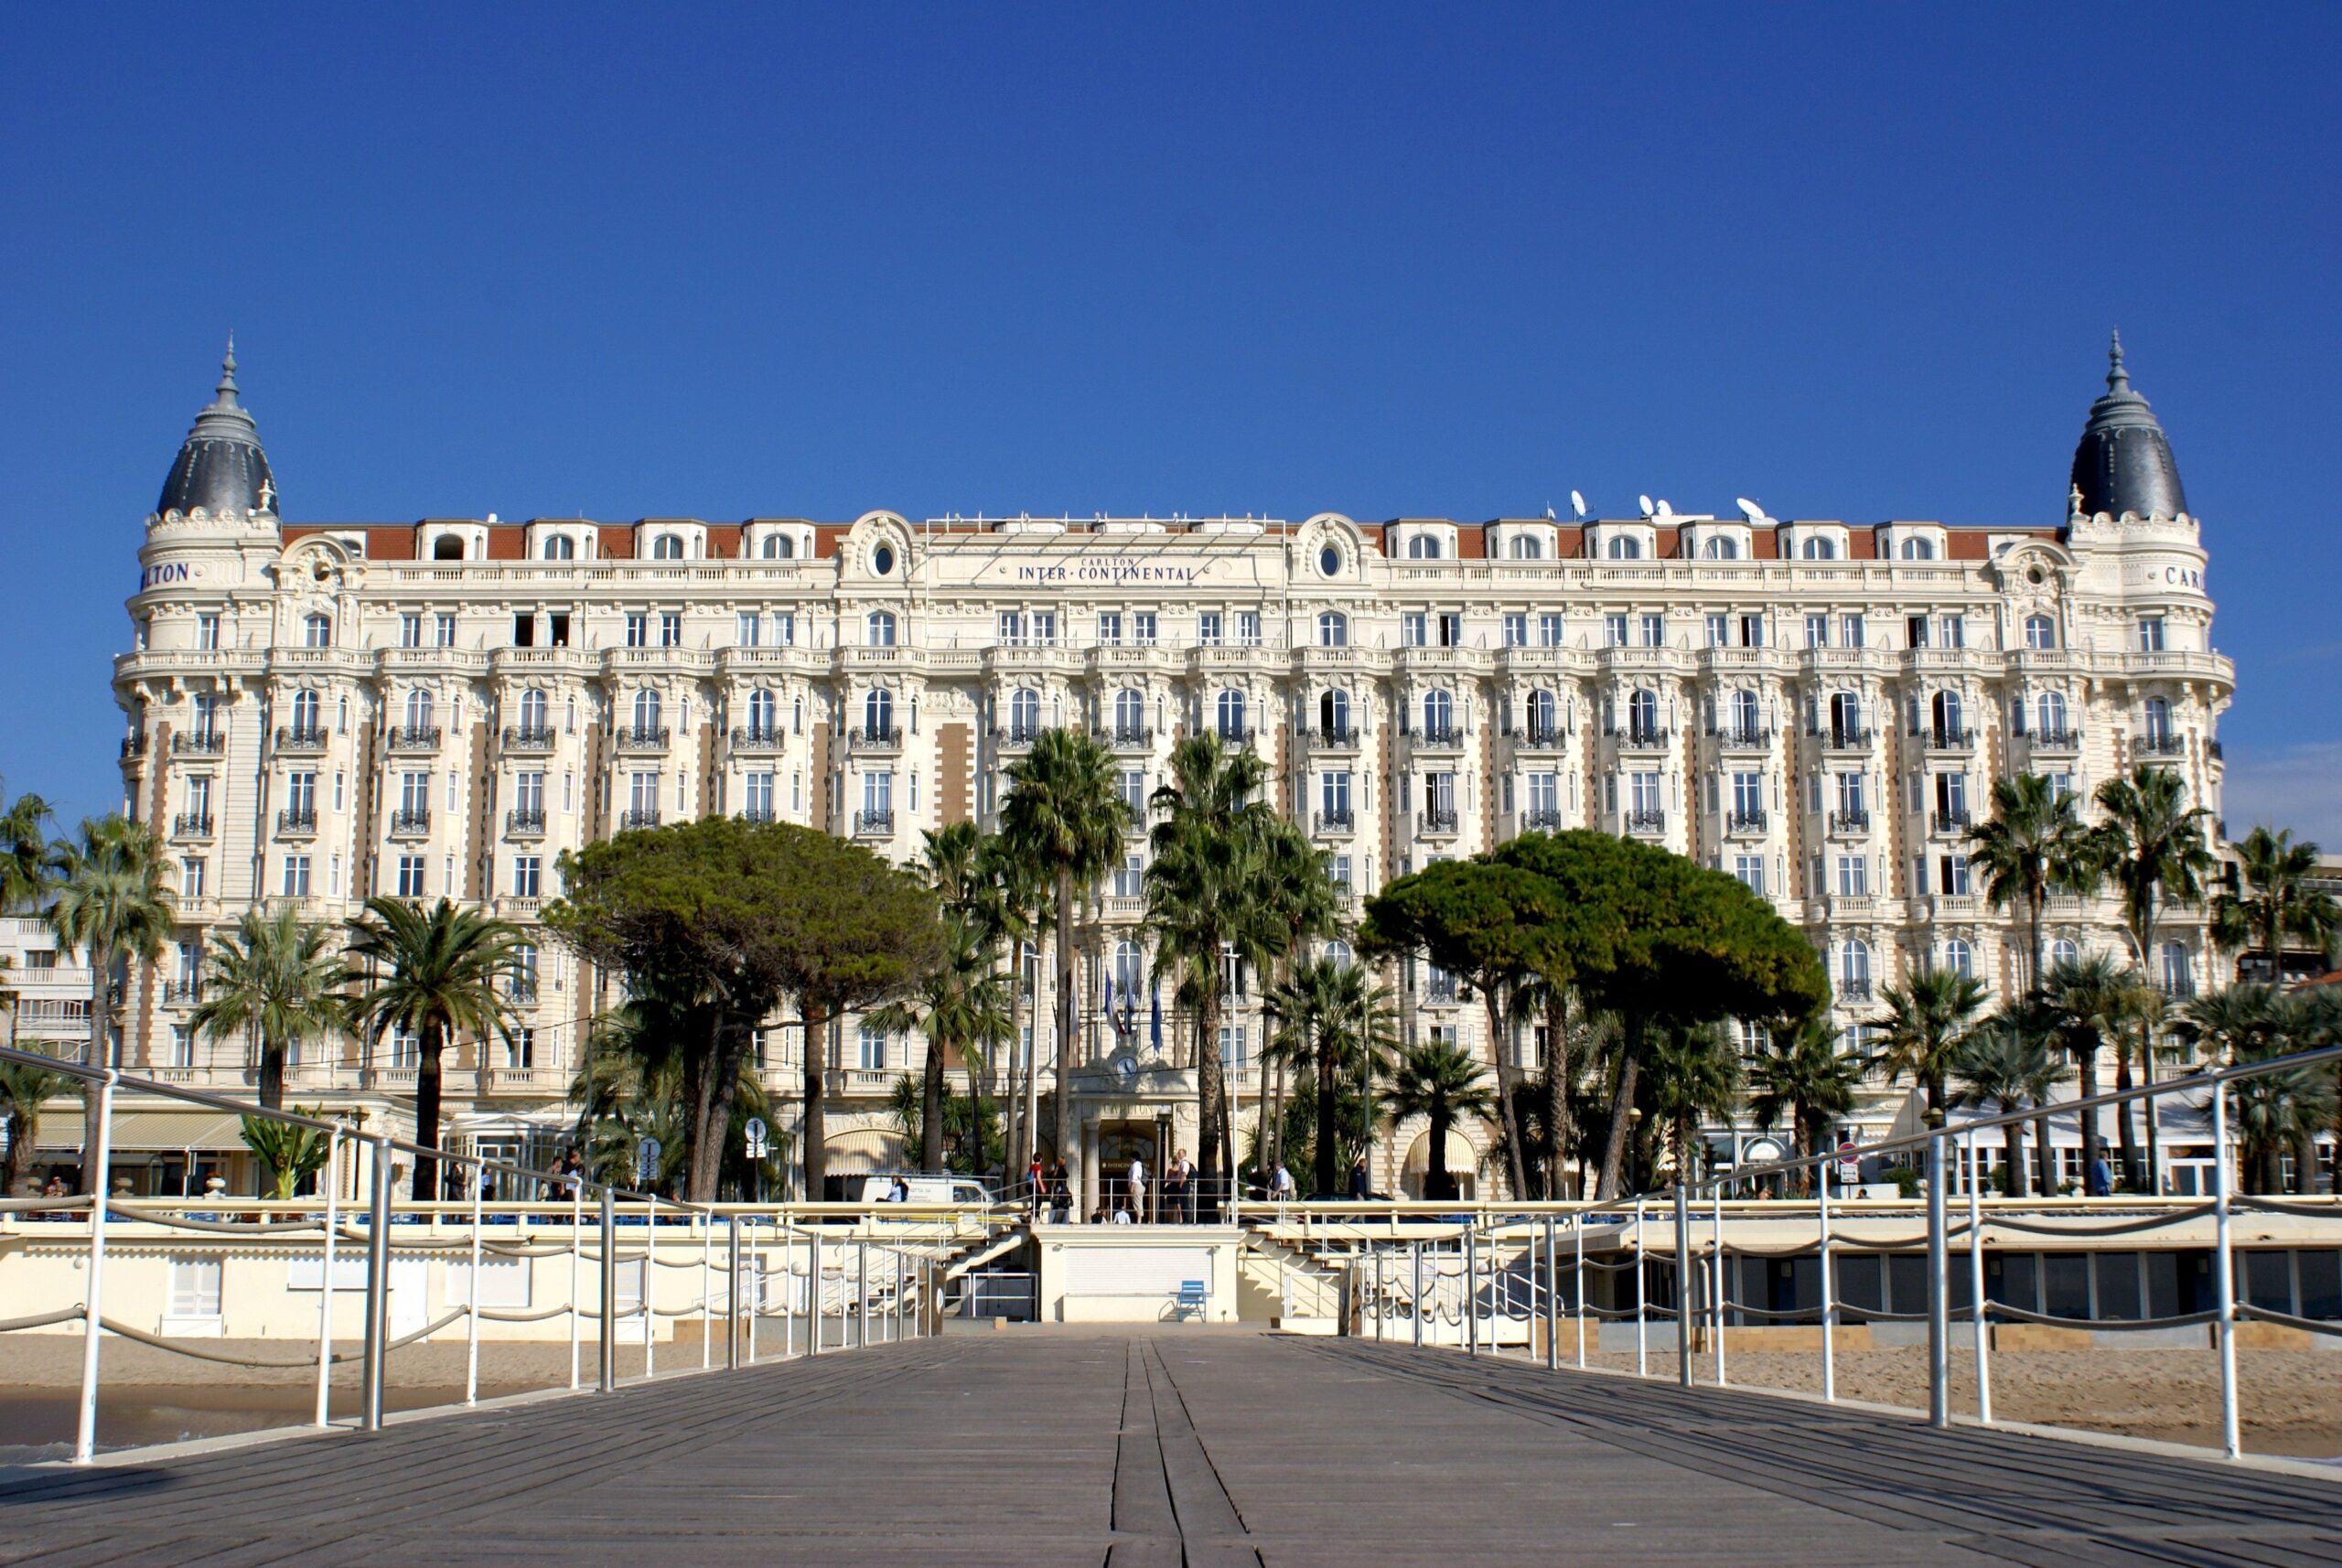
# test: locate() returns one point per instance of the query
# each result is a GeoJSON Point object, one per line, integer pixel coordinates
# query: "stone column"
{"type": "Point", "coordinates": [1086, 1177]}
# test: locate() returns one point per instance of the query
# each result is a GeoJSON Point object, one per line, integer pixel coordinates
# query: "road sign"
{"type": "Point", "coordinates": [646, 1161]}
{"type": "Point", "coordinates": [755, 1132]}
{"type": "Point", "coordinates": [1850, 1168]}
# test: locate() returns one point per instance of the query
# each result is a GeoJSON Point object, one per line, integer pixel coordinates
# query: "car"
{"type": "Point", "coordinates": [924, 1189]}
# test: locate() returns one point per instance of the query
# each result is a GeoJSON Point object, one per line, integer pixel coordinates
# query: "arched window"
{"type": "Point", "coordinates": [341, 714]}
{"type": "Point", "coordinates": [2040, 631]}
{"type": "Point", "coordinates": [1845, 715]}
{"type": "Point", "coordinates": [317, 631]}
{"type": "Point", "coordinates": [1853, 970]}
{"type": "Point", "coordinates": [1130, 970]}
{"type": "Point", "coordinates": [307, 718]}
{"type": "Point", "coordinates": [645, 710]}
{"type": "Point", "coordinates": [1130, 713]}
{"type": "Point", "coordinates": [1527, 547]}
{"type": "Point", "coordinates": [1959, 957]}
{"type": "Point", "coordinates": [764, 713]}
{"type": "Point", "coordinates": [1334, 714]}
{"type": "Point", "coordinates": [879, 629]}
{"type": "Point", "coordinates": [447, 547]}
{"type": "Point", "coordinates": [1337, 952]}
{"type": "Point", "coordinates": [1439, 713]}
{"type": "Point", "coordinates": [1024, 714]}
{"type": "Point", "coordinates": [418, 710]}
{"type": "Point", "coordinates": [2158, 720]}
{"type": "Point", "coordinates": [1819, 548]}
{"type": "Point", "coordinates": [1544, 715]}
{"type": "Point", "coordinates": [667, 547]}
{"type": "Point", "coordinates": [1743, 714]}
{"type": "Point", "coordinates": [779, 547]}
{"type": "Point", "coordinates": [559, 547]}
{"type": "Point", "coordinates": [2053, 714]}
{"type": "Point", "coordinates": [878, 714]}
{"type": "Point", "coordinates": [1918, 550]}
{"type": "Point", "coordinates": [1720, 549]}
{"type": "Point", "coordinates": [535, 711]}
{"type": "Point", "coordinates": [1231, 715]}
{"type": "Point", "coordinates": [2063, 951]}
{"type": "Point", "coordinates": [1625, 547]}
{"type": "Point", "coordinates": [1333, 629]}
{"type": "Point", "coordinates": [1642, 711]}
{"type": "Point", "coordinates": [1947, 713]}
{"type": "Point", "coordinates": [1423, 547]}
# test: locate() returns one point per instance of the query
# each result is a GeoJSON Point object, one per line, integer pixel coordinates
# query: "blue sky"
{"type": "Point", "coordinates": [1851, 262]}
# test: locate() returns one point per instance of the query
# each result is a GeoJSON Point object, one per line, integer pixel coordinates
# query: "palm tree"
{"type": "Point", "coordinates": [2140, 1040]}
{"type": "Point", "coordinates": [1927, 1017]}
{"type": "Point", "coordinates": [2090, 999]}
{"type": "Point", "coordinates": [2277, 900]}
{"type": "Point", "coordinates": [2152, 845]}
{"type": "Point", "coordinates": [2033, 841]}
{"type": "Point", "coordinates": [2002, 1068]}
{"type": "Point", "coordinates": [1343, 1020]}
{"type": "Point", "coordinates": [1064, 817]}
{"type": "Point", "coordinates": [629, 1088]}
{"type": "Point", "coordinates": [2281, 1112]}
{"type": "Point", "coordinates": [1005, 899]}
{"type": "Point", "coordinates": [435, 971]}
{"type": "Point", "coordinates": [24, 1089]}
{"type": "Point", "coordinates": [112, 903]}
{"type": "Point", "coordinates": [1299, 885]}
{"type": "Point", "coordinates": [1207, 904]}
{"type": "Point", "coordinates": [1695, 1078]}
{"type": "Point", "coordinates": [1803, 1073]}
{"type": "Point", "coordinates": [26, 857]}
{"type": "Point", "coordinates": [1439, 1082]}
{"type": "Point", "coordinates": [273, 974]}
{"type": "Point", "coordinates": [960, 1005]}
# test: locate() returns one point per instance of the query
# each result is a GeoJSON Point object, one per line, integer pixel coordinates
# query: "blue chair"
{"type": "Point", "coordinates": [1192, 1298]}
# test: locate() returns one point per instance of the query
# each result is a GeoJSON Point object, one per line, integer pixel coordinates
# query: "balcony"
{"type": "Point", "coordinates": [1650, 822]}
{"type": "Point", "coordinates": [1953, 824]}
{"type": "Point", "coordinates": [200, 742]}
{"type": "Point", "coordinates": [1437, 821]}
{"type": "Point", "coordinates": [1440, 993]}
{"type": "Point", "coordinates": [1853, 990]}
{"type": "Point", "coordinates": [873, 824]}
{"type": "Point", "coordinates": [133, 745]}
{"type": "Point", "coordinates": [1342, 821]}
{"type": "Point", "coordinates": [1124, 737]}
{"type": "Point", "coordinates": [1841, 739]}
{"type": "Point", "coordinates": [1744, 825]}
{"type": "Point", "coordinates": [191, 825]}
{"type": "Point", "coordinates": [759, 738]}
{"type": "Point", "coordinates": [1542, 820]}
{"type": "Point", "coordinates": [525, 823]}
{"type": "Point", "coordinates": [643, 737]}
{"type": "Point", "coordinates": [862, 737]}
{"type": "Point", "coordinates": [1846, 823]}
{"type": "Point", "coordinates": [1745, 738]}
{"type": "Point", "coordinates": [1017, 738]}
{"type": "Point", "coordinates": [1943, 739]}
{"type": "Point", "coordinates": [522, 990]}
{"type": "Point", "coordinates": [1439, 737]}
{"type": "Point", "coordinates": [297, 823]}
{"type": "Point", "coordinates": [2063, 738]}
{"type": "Point", "coordinates": [529, 738]}
{"type": "Point", "coordinates": [300, 740]}
{"type": "Point", "coordinates": [182, 992]}
{"type": "Point", "coordinates": [1540, 737]}
{"type": "Point", "coordinates": [414, 738]}
{"type": "Point", "coordinates": [1644, 737]}
{"type": "Point", "coordinates": [1231, 736]}
{"type": "Point", "coordinates": [2166, 745]}
{"type": "Point", "coordinates": [410, 823]}
{"type": "Point", "coordinates": [639, 817]}
{"type": "Point", "coordinates": [758, 814]}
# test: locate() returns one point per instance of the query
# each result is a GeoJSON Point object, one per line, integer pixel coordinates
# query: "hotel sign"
{"type": "Point", "coordinates": [1233, 565]}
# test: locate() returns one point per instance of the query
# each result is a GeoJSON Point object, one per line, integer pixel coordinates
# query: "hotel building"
{"type": "Point", "coordinates": [317, 713]}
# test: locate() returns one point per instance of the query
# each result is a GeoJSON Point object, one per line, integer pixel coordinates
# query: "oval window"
{"type": "Point", "coordinates": [1329, 561]}
{"type": "Point", "coordinates": [882, 560]}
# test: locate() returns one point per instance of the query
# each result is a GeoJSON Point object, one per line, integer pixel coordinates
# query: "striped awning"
{"type": "Point", "coordinates": [863, 1150]}
{"type": "Point", "coordinates": [148, 1131]}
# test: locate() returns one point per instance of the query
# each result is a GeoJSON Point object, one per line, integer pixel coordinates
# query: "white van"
{"type": "Point", "coordinates": [925, 1189]}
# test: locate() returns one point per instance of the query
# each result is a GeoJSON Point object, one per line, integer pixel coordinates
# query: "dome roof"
{"type": "Point", "coordinates": [222, 467]}
{"type": "Point", "coordinates": [2123, 463]}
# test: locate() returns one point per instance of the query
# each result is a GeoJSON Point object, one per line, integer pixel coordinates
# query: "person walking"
{"type": "Point", "coordinates": [1035, 1184]}
{"type": "Point", "coordinates": [1280, 1185]}
{"type": "Point", "coordinates": [1180, 1191]}
{"type": "Point", "coordinates": [1061, 1195]}
{"type": "Point", "coordinates": [1361, 1188]}
{"type": "Point", "coordinates": [1136, 1188]}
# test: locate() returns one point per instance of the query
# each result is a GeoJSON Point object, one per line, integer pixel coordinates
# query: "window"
{"type": "Point", "coordinates": [671, 628]}
{"type": "Point", "coordinates": [1334, 797]}
{"type": "Point", "coordinates": [2053, 714]}
{"type": "Point", "coordinates": [1752, 631]}
{"type": "Point", "coordinates": [642, 798]}
{"type": "Point", "coordinates": [406, 1049]}
{"type": "Point", "coordinates": [1329, 562]}
{"type": "Point", "coordinates": [1339, 871]}
{"type": "Point", "coordinates": [1845, 717]}
{"type": "Point", "coordinates": [879, 629]}
{"type": "Point", "coordinates": [2151, 634]}
{"type": "Point", "coordinates": [1918, 550]}
{"type": "Point", "coordinates": [1248, 629]}
{"type": "Point", "coordinates": [1850, 797]}
{"type": "Point", "coordinates": [1948, 714]}
{"type": "Point", "coordinates": [1750, 870]}
{"type": "Point", "coordinates": [296, 876]}
{"type": "Point", "coordinates": [1642, 713]}
{"type": "Point", "coordinates": [1850, 628]}
{"type": "Point", "coordinates": [878, 797]}
{"type": "Point", "coordinates": [1960, 957]}
{"type": "Point", "coordinates": [764, 714]}
{"type": "Point", "coordinates": [1954, 630]}
{"type": "Point", "coordinates": [1130, 788]}
{"type": "Point", "coordinates": [779, 547]}
{"type": "Point", "coordinates": [1024, 714]}
{"type": "Point", "coordinates": [443, 631]}
{"type": "Point", "coordinates": [1853, 970]}
{"type": "Point", "coordinates": [1625, 548]}
{"type": "Point", "coordinates": [646, 712]}
{"type": "Point", "coordinates": [878, 714]}
{"type": "Point", "coordinates": [1143, 629]}
{"type": "Point", "coordinates": [410, 876]}
{"type": "Point", "coordinates": [1414, 628]}
{"type": "Point", "coordinates": [2157, 715]}
{"type": "Point", "coordinates": [1423, 547]}
{"type": "Point", "coordinates": [1231, 716]}
{"type": "Point", "coordinates": [1549, 630]}
{"type": "Point", "coordinates": [1130, 713]}
{"type": "Point", "coordinates": [757, 797]}
{"type": "Point", "coordinates": [1614, 631]}
{"type": "Point", "coordinates": [747, 629]}
{"type": "Point", "coordinates": [1952, 798]}
{"type": "Point", "coordinates": [1819, 548]}
{"type": "Point", "coordinates": [1110, 628]}
{"type": "Point", "coordinates": [1232, 1038]}
{"type": "Point", "coordinates": [872, 1048]}
{"type": "Point", "coordinates": [1516, 630]}
{"type": "Point", "coordinates": [182, 1046]}
{"type": "Point", "coordinates": [2064, 952]}
{"type": "Point", "coordinates": [1333, 629]}
{"type": "Point", "coordinates": [667, 547]}
{"type": "Point", "coordinates": [2177, 972]}
{"type": "Point", "coordinates": [1207, 630]}
{"type": "Point", "coordinates": [1720, 549]}
{"type": "Point", "coordinates": [1527, 547]}
{"type": "Point", "coordinates": [317, 631]}
{"type": "Point", "coordinates": [1748, 795]}
{"type": "Point", "coordinates": [527, 876]}
{"type": "Point", "coordinates": [301, 796]}
{"type": "Point", "coordinates": [1654, 630]}
{"type": "Point", "coordinates": [1130, 878]}
{"type": "Point", "coordinates": [1544, 798]}
{"type": "Point", "coordinates": [1719, 631]}
{"type": "Point", "coordinates": [1745, 711]}
{"type": "Point", "coordinates": [1644, 796]}
{"type": "Point", "coordinates": [529, 794]}
{"type": "Point", "coordinates": [410, 631]}
{"type": "Point", "coordinates": [559, 547]}
{"type": "Point", "coordinates": [1853, 876]}
{"type": "Point", "coordinates": [638, 630]}
{"type": "Point", "coordinates": [1953, 870]}
{"type": "Point", "coordinates": [1544, 715]}
{"type": "Point", "coordinates": [2040, 632]}
{"type": "Point", "coordinates": [1129, 972]}
{"type": "Point", "coordinates": [1817, 631]}
{"type": "Point", "coordinates": [1439, 713]}
{"type": "Point", "coordinates": [207, 633]}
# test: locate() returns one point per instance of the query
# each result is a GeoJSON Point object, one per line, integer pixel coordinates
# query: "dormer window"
{"type": "Point", "coordinates": [1423, 547]}
{"type": "Point", "coordinates": [559, 547]}
{"type": "Point", "coordinates": [447, 547]}
{"type": "Point", "coordinates": [1720, 548]}
{"type": "Point", "coordinates": [1918, 550]}
{"type": "Point", "coordinates": [1527, 547]}
{"type": "Point", "coordinates": [667, 547]}
{"type": "Point", "coordinates": [1819, 547]}
{"type": "Point", "coordinates": [779, 547]}
{"type": "Point", "coordinates": [1625, 547]}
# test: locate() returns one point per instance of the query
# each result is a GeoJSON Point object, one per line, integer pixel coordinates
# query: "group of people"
{"type": "Point", "coordinates": [1137, 1200]}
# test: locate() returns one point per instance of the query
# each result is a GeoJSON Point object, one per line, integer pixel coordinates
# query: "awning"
{"type": "Point", "coordinates": [864, 1150]}
{"type": "Point", "coordinates": [1462, 1159]}
{"type": "Point", "coordinates": [150, 1132]}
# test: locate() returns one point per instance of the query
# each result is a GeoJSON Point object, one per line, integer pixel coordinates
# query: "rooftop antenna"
{"type": "Point", "coordinates": [1645, 502]}
{"type": "Point", "coordinates": [1549, 512]}
{"type": "Point", "coordinates": [1664, 509]}
{"type": "Point", "coordinates": [1577, 503]}
{"type": "Point", "coordinates": [1750, 509]}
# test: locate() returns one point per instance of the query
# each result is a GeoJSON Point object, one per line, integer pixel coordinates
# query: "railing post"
{"type": "Point", "coordinates": [2224, 1268]}
{"type": "Point", "coordinates": [1829, 1289]}
{"type": "Point", "coordinates": [731, 1294]}
{"type": "Point", "coordinates": [1938, 1290]}
{"type": "Point", "coordinates": [1552, 1297]}
{"type": "Point", "coordinates": [1417, 1314]}
{"type": "Point", "coordinates": [1976, 1279]}
{"type": "Point", "coordinates": [378, 1281]}
{"type": "Point", "coordinates": [1577, 1284]}
{"type": "Point", "coordinates": [1715, 1287]}
{"type": "Point", "coordinates": [650, 1285]}
{"type": "Point", "coordinates": [814, 1294]}
{"type": "Point", "coordinates": [609, 1347]}
{"type": "Point", "coordinates": [1471, 1291]}
{"type": "Point", "coordinates": [576, 1255]}
{"type": "Point", "coordinates": [471, 1295]}
{"type": "Point", "coordinates": [862, 1292]}
{"type": "Point", "coordinates": [706, 1290]}
{"type": "Point", "coordinates": [324, 1290]}
{"type": "Point", "coordinates": [85, 1439]}
{"type": "Point", "coordinates": [1682, 1283]}
{"type": "Point", "coordinates": [1642, 1299]}
{"type": "Point", "coordinates": [1378, 1297]}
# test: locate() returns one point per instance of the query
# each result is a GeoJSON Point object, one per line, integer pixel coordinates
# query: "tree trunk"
{"type": "Point", "coordinates": [2045, 1157]}
{"type": "Point", "coordinates": [2034, 897]}
{"type": "Point", "coordinates": [2013, 1156]}
{"type": "Point", "coordinates": [2126, 1123]}
{"type": "Point", "coordinates": [976, 1116]}
{"type": "Point", "coordinates": [1070, 1003]}
{"type": "Point", "coordinates": [1322, 1176]}
{"type": "Point", "coordinates": [1439, 1187]}
{"type": "Point", "coordinates": [271, 1073]}
{"type": "Point", "coordinates": [425, 1188]}
{"type": "Point", "coordinates": [1272, 1140]}
{"type": "Point", "coordinates": [1613, 1153]}
{"type": "Point", "coordinates": [811, 1131]}
{"type": "Point", "coordinates": [1208, 1082]}
{"type": "Point", "coordinates": [2306, 1165]}
{"type": "Point", "coordinates": [1508, 1102]}
{"type": "Point", "coordinates": [728, 1056]}
{"type": "Point", "coordinates": [1557, 1088]}
{"type": "Point", "coordinates": [1014, 1159]}
{"type": "Point", "coordinates": [2093, 1130]}
{"type": "Point", "coordinates": [930, 1110]}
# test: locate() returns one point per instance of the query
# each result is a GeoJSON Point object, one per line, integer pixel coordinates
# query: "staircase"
{"type": "Point", "coordinates": [1282, 1286]}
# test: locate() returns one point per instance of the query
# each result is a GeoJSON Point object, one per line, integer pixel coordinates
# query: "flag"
{"type": "Point", "coordinates": [1155, 1019]}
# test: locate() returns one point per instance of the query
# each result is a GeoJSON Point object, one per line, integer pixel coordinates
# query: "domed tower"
{"type": "Point", "coordinates": [2123, 465]}
{"type": "Point", "coordinates": [220, 470]}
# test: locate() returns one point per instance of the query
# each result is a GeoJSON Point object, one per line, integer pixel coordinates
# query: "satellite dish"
{"type": "Point", "coordinates": [1750, 509]}
{"type": "Point", "coordinates": [1664, 509]}
{"type": "Point", "coordinates": [1645, 502]}
{"type": "Point", "coordinates": [1577, 503]}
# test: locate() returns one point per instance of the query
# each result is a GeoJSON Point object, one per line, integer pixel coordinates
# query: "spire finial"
{"type": "Point", "coordinates": [226, 388]}
{"type": "Point", "coordinates": [2117, 378]}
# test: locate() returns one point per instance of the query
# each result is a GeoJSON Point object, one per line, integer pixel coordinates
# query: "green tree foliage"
{"type": "Point", "coordinates": [1695, 1077]}
{"type": "Point", "coordinates": [1346, 1032]}
{"type": "Point", "coordinates": [1801, 1074]}
{"type": "Point", "coordinates": [111, 901]}
{"type": "Point", "coordinates": [955, 1128]}
{"type": "Point", "coordinates": [276, 976]}
{"type": "Point", "coordinates": [629, 1088]}
{"type": "Point", "coordinates": [2274, 903]}
{"type": "Point", "coordinates": [2279, 1112]}
{"type": "Point", "coordinates": [961, 1005]}
{"type": "Point", "coordinates": [2150, 843]}
{"type": "Point", "coordinates": [2003, 1067]}
{"type": "Point", "coordinates": [1442, 1084]}
{"type": "Point", "coordinates": [1927, 1018]}
{"type": "Point", "coordinates": [2090, 999]}
{"type": "Point", "coordinates": [289, 1153]}
{"type": "Point", "coordinates": [25, 1087]}
{"type": "Point", "coordinates": [2034, 840]}
{"type": "Point", "coordinates": [437, 972]}
{"type": "Point", "coordinates": [735, 916]}
{"type": "Point", "coordinates": [27, 860]}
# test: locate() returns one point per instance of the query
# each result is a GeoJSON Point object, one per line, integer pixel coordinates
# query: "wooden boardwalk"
{"type": "Point", "coordinates": [1156, 1449]}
